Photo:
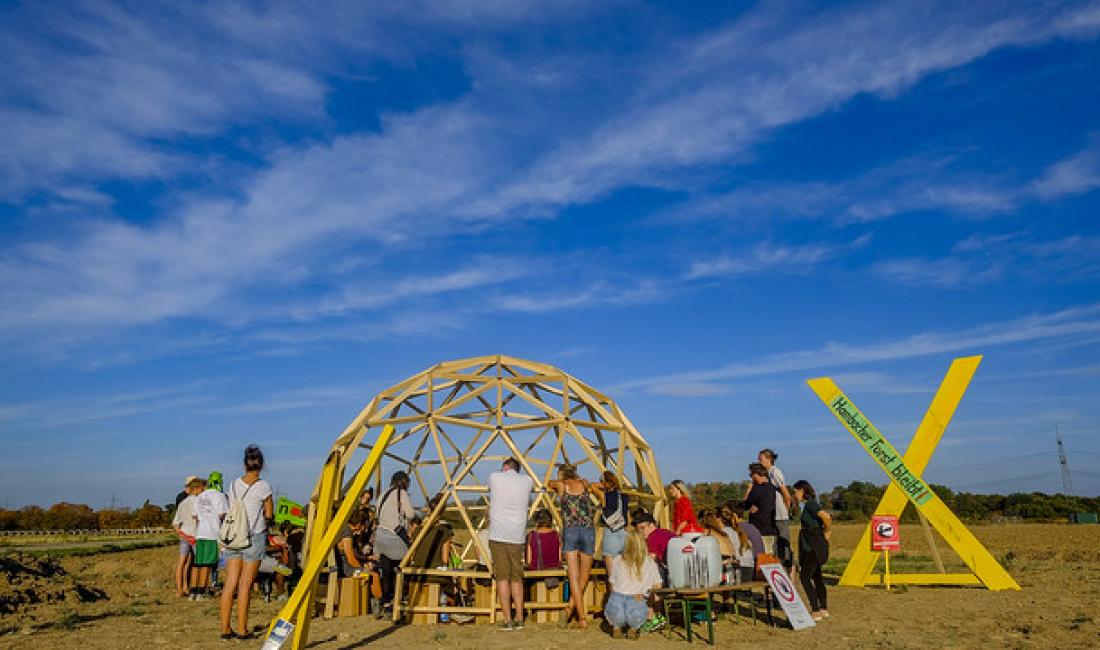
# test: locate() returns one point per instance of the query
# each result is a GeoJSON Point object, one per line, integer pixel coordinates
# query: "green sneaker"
{"type": "Point", "coordinates": [517, 625]}
{"type": "Point", "coordinates": [505, 626]}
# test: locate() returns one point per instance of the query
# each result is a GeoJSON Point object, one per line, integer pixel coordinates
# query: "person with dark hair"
{"type": "Point", "coordinates": [348, 559]}
{"type": "Point", "coordinates": [813, 547]}
{"type": "Point", "coordinates": [543, 543]}
{"type": "Point", "coordinates": [242, 564]}
{"type": "Point", "coordinates": [760, 503]}
{"type": "Point", "coordinates": [615, 513]}
{"type": "Point", "coordinates": [509, 498]}
{"type": "Point", "coordinates": [391, 535]}
{"type": "Point", "coordinates": [578, 513]}
{"type": "Point", "coordinates": [767, 458]}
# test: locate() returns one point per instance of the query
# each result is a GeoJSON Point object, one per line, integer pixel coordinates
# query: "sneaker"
{"type": "Point", "coordinates": [505, 626]}
{"type": "Point", "coordinates": [652, 625]}
{"type": "Point", "coordinates": [659, 623]}
{"type": "Point", "coordinates": [517, 625]}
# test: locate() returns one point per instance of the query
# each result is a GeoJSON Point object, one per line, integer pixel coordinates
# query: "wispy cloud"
{"type": "Point", "coordinates": [772, 258]}
{"type": "Point", "coordinates": [839, 356]}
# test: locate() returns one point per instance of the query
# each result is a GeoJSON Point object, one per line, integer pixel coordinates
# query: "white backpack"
{"type": "Point", "coordinates": [235, 533]}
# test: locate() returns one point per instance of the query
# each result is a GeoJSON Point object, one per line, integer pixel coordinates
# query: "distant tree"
{"type": "Point", "coordinates": [110, 519]}
{"type": "Point", "coordinates": [149, 515]}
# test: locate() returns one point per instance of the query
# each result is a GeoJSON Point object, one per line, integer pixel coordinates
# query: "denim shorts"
{"type": "Point", "coordinates": [613, 541]}
{"type": "Point", "coordinates": [251, 553]}
{"type": "Point", "coordinates": [185, 548]}
{"type": "Point", "coordinates": [579, 538]}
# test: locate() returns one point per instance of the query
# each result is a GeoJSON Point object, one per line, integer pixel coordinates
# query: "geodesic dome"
{"type": "Point", "coordinates": [457, 421]}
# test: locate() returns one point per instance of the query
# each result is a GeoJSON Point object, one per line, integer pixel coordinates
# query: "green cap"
{"type": "Point", "coordinates": [215, 481]}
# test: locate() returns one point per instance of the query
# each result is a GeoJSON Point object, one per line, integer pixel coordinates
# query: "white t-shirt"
{"type": "Point", "coordinates": [210, 505]}
{"type": "Point", "coordinates": [253, 502]}
{"type": "Point", "coordinates": [509, 497]}
{"type": "Point", "coordinates": [776, 478]}
{"type": "Point", "coordinates": [185, 516]}
{"type": "Point", "coordinates": [624, 582]}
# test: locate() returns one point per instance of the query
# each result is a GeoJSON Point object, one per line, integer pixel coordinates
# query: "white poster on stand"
{"type": "Point", "coordinates": [787, 596]}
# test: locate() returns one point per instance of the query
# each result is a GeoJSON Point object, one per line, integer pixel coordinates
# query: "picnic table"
{"type": "Point", "coordinates": [692, 600]}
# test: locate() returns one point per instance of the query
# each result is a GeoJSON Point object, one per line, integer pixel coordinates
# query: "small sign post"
{"type": "Point", "coordinates": [885, 538]}
{"type": "Point", "coordinates": [787, 596]}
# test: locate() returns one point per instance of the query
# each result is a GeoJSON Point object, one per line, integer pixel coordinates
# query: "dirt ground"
{"type": "Point", "coordinates": [1057, 565]}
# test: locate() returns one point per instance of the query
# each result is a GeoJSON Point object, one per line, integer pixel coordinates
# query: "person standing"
{"type": "Point", "coordinates": [813, 547]}
{"type": "Point", "coordinates": [241, 565]}
{"type": "Point", "coordinates": [760, 504]}
{"type": "Point", "coordinates": [210, 509]}
{"type": "Point", "coordinates": [184, 523]}
{"type": "Point", "coordinates": [767, 458]}
{"type": "Point", "coordinates": [631, 578]}
{"type": "Point", "coordinates": [578, 514]}
{"type": "Point", "coordinates": [509, 498]}
{"type": "Point", "coordinates": [614, 517]}
{"type": "Point", "coordinates": [683, 514]}
{"type": "Point", "coordinates": [391, 535]}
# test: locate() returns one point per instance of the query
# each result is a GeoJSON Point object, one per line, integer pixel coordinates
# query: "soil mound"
{"type": "Point", "coordinates": [29, 580]}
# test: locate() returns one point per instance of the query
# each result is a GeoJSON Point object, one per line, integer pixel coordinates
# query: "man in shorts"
{"type": "Point", "coordinates": [184, 523]}
{"type": "Point", "coordinates": [509, 498]}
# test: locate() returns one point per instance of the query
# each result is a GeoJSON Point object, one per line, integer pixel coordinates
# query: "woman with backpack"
{"type": "Point", "coordinates": [391, 536]}
{"type": "Point", "coordinates": [250, 508]}
{"type": "Point", "coordinates": [614, 517]}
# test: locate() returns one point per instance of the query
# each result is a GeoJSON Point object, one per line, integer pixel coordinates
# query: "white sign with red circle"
{"type": "Point", "coordinates": [787, 596]}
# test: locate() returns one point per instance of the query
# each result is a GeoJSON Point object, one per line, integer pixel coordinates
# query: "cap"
{"type": "Point", "coordinates": [187, 481]}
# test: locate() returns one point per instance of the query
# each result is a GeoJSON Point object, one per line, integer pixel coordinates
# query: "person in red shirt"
{"type": "Point", "coordinates": [683, 515]}
{"type": "Point", "coordinates": [656, 538]}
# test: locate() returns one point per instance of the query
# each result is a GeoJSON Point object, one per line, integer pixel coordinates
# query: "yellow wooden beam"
{"type": "Point", "coordinates": [913, 486]}
{"type": "Point", "coordinates": [303, 593]}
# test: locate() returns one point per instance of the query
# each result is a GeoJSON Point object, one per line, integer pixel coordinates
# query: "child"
{"type": "Point", "coordinates": [683, 515]}
{"type": "Point", "coordinates": [632, 578]}
{"type": "Point", "coordinates": [210, 508]}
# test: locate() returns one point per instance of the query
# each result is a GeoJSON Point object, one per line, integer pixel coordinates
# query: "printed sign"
{"type": "Point", "coordinates": [881, 450]}
{"type": "Point", "coordinates": [787, 596]}
{"type": "Point", "coordinates": [287, 510]}
{"type": "Point", "coordinates": [279, 634]}
{"type": "Point", "coordinates": [884, 533]}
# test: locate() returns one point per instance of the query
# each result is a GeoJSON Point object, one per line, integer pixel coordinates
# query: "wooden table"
{"type": "Point", "coordinates": [687, 599]}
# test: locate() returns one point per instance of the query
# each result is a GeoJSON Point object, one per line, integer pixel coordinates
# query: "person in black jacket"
{"type": "Point", "coordinates": [760, 505]}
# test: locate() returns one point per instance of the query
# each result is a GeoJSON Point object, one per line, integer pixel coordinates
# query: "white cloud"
{"type": "Point", "coordinates": [772, 258]}
{"type": "Point", "coordinates": [839, 356]}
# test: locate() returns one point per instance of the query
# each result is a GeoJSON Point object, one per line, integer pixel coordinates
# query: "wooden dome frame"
{"type": "Point", "coordinates": [455, 422]}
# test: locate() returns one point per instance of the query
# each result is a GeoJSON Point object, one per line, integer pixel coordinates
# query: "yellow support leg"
{"type": "Point", "coordinates": [301, 600]}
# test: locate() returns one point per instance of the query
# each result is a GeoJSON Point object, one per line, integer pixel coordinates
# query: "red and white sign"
{"type": "Point", "coordinates": [885, 535]}
{"type": "Point", "coordinates": [787, 596]}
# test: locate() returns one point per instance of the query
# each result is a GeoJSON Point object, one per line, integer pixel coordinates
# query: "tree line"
{"type": "Point", "coordinates": [857, 502]}
{"type": "Point", "coordinates": [79, 516]}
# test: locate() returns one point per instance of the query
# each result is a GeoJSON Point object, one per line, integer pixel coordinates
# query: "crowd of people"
{"type": "Point", "coordinates": [265, 561]}
{"type": "Point", "coordinates": [377, 537]}
{"type": "Point", "coordinates": [635, 547]}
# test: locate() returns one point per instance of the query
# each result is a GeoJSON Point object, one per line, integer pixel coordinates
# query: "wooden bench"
{"type": "Point", "coordinates": [543, 602]}
{"type": "Point", "coordinates": [692, 600]}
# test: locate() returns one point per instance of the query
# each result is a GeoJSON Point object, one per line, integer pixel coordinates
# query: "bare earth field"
{"type": "Point", "coordinates": [1057, 565]}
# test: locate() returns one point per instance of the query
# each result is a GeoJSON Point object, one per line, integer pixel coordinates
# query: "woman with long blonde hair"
{"type": "Point", "coordinates": [632, 577]}
{"type": "Point", "coordinates": [683, 515]}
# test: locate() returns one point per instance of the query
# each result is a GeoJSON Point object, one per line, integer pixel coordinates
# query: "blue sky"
{"type": "Point", "coordinates": [225, 224]}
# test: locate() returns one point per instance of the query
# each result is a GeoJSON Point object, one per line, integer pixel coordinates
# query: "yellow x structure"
{"type": "Point", "coordinates": [906, 483]}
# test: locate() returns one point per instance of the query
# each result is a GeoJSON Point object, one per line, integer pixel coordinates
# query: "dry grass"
{"type": "Point", "coordinates": [1058, 566]}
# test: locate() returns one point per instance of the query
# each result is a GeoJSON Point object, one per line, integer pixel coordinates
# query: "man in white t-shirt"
{"type": "Point", "coordinates": [184, 523]}
{"type": "Point", "coordinates": [210, 508]}
{"type": "Point", "coordinates": [767, 458]}
{"type": "Point", "coordinates": [509, 499]}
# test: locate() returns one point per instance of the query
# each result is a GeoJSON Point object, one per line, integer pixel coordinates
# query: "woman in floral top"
{"type": "Point", "coordinates": [578, 512]}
